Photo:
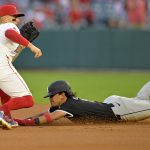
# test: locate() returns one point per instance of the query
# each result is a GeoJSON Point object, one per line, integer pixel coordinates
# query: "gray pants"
{"type": "Point", "coordinates": [132, 109]}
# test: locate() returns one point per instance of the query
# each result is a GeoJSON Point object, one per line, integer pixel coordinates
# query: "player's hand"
{"type": "Point", "coordinates": [35, 50]}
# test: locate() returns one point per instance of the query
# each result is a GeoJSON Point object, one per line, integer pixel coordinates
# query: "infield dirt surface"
{"type": "Point", "coordinates": [63, 135]}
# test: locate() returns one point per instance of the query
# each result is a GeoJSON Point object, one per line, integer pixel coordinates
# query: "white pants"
{"type": "Point", "coordinates": [10, 80]}
{"type": "Point", "coordinates": [132, 109]}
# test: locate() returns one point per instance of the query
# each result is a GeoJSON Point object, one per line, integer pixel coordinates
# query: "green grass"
{"type": "Point", "coordinates": [96, 85]}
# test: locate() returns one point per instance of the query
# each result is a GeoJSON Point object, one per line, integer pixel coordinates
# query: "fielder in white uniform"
{"type": "Point", "coordinates": [14, 94]}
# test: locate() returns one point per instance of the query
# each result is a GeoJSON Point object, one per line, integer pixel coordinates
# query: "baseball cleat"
{"type": "Point", "coordinates": [13, 124]}
{"type": "Point", "coordinates": [3, 123]}
{"type": "Point", "coordinates": [0, 124]}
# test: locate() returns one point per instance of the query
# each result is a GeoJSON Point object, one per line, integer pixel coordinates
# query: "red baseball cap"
{"type": "Point", "coordinates": [9, 10]}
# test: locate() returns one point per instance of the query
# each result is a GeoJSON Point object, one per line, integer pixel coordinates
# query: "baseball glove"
{"type": "Point", "coordinates": [29, 31]}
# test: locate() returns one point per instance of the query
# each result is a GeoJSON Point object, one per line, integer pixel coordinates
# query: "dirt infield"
{"type": "Point", "coordinates": [63, 135]}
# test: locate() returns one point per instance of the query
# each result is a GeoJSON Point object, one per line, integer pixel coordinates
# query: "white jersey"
{"type": "Point", "coordinates": [10, 80]}
{"type": "Point", "coordinates": [7, 47]}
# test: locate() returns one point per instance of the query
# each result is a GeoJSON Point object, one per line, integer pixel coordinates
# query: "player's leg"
{"type": "Point", "coordinates": [17, 103]}
{"type": "Point", "coordinates": [144, 93]}
{"type": "Point", "coordinates": [4, 99]}
{"type": "Point", "coordinates": [136, 110]}
{"type": "Point", "coordinates": [130, 109]}
{"type": "Point", "coordinates": [14, 86]}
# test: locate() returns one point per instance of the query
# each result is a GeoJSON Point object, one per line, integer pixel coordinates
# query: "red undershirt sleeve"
{"type": "Point", "coordinates": [16, 37]}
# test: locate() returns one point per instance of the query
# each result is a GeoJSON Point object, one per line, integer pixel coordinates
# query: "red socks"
{"type": "Point", "coordinates": [4, 97]}
{"type": "Point", "coordinates": [17, 103]}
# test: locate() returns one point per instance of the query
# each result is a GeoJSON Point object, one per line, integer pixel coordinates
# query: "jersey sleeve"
{"type": "Point", "coordinates": [52, 109]}
{"type": "Point", "coordinates": [16, 37]}
{"type": "Point", "coordinates": [11, 31]}
{"type": "Point", "coordinates": [64, 108]}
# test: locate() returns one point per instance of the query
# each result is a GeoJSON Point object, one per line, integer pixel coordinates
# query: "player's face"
{"type": "Point", "coordinates": [8, 18]}
{"type": "Point", "coordinates": [57, 99]}
{"type": "Point", "coordinates": [15, 20]}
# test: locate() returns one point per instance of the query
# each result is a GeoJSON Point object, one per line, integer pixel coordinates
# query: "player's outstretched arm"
{"type": "Point", "coordinates": [41, 119]}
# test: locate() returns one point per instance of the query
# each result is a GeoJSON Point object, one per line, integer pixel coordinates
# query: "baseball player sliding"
{"type": "Point", "coordinates": [14, 92]}
{"type": "Point", "coordinates": [114, 108]}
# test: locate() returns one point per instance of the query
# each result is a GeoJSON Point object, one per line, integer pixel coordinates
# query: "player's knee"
{"type": "Point", "coordinates": [29, 101]}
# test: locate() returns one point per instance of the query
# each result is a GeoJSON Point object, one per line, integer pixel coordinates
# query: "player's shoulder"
{"type": "Point", "coordinates": [9, 25]}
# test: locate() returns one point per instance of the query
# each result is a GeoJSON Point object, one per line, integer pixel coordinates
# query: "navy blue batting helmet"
{"type": "Point", "coordinates": [57, 87]}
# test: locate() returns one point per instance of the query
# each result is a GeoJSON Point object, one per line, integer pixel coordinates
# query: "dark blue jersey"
{"type": "Point", "coordinates": [83, 110]}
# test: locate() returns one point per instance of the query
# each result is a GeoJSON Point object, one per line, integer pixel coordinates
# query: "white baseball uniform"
{"type": "Point", "coordinates": [10, 80]}
{"type": "Point", "coordinates": [132, 109]}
